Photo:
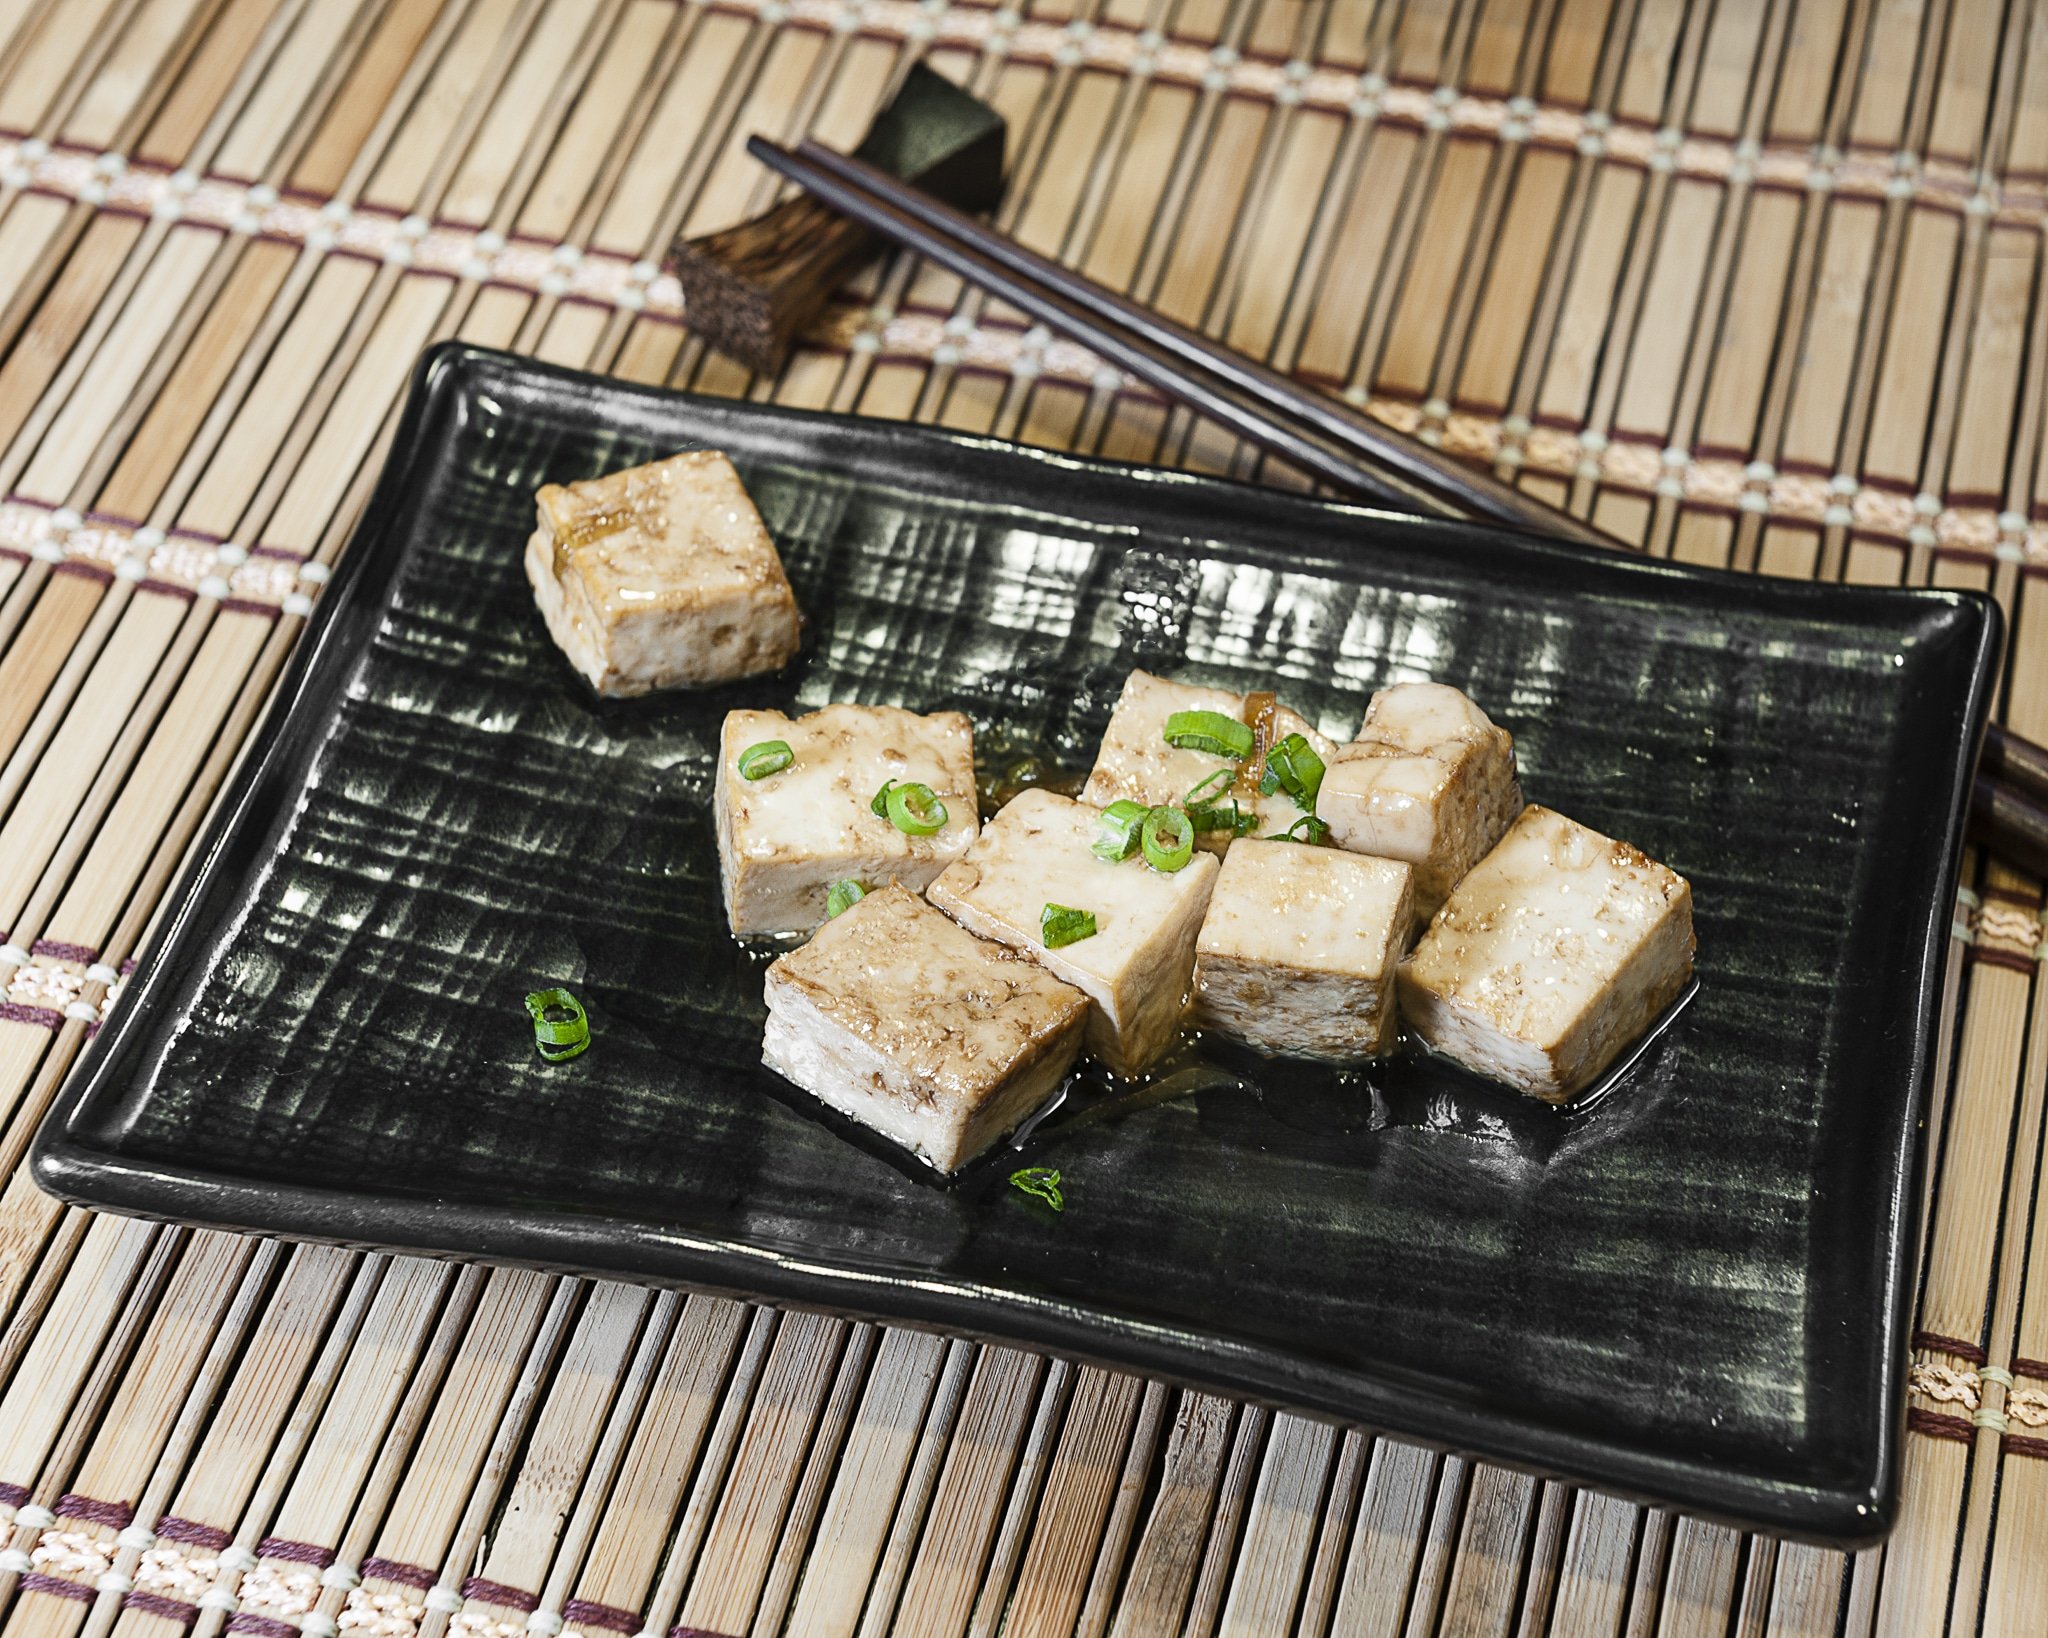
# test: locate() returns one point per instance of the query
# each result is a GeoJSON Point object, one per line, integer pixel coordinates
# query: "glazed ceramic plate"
{"type": "Point", "coordinates": [1695, 1290]}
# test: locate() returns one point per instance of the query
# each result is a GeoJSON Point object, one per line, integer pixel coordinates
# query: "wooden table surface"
{"type": "Point", "coordinates": [1757, 285]}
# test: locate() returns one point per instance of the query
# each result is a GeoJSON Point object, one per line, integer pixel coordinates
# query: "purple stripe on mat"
{"type": "Point", "coordinates": [13, 1495]}
{"type": "Point", "coordinates": [261, 1625]}
{"type": "Point", "coordinates": [57, 1587]}
{"type": "Point", "coordinates": [406, 1575]}
{"type": "Point", "coordinates": [248, 605]}
{"type": "Point", "coordinates": [581, 1612]}
{"type": "Point", "coordinates": [695, 1632]}
{"type": "Point", "coordinates": [127, 967]}
{"type": "Point", "coordinates": [295, 1552]}
{"type": "Point", "coordinates": [284, 552]}
{"type": "Point", "coordinates": [191, 1532]}
{"type": "Point", "coordinates": [114, 1515]}
{"type": "Point", "coordinates": [167, 588]}
{"type": "Point", "coordinates": [84, 570]}
{"type": "Point", "coordinates": [164, 1609]}
{"type": "Point", "coordinates": [496, 1592]}
{"type": "Point", "coordinates": [13, 1012]}
{"type": "Point", "coordinates": [84, 954]}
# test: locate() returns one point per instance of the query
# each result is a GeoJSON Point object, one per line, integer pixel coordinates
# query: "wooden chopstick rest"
{"type": "Point", "coordinates": [749, 290]}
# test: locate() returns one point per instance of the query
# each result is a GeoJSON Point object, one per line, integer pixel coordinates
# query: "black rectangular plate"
{"type": "Point", "coordinates": [1695, 1291]}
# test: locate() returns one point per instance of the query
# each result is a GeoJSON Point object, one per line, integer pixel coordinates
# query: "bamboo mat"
{"type": "Point", "coordinates": [1756, 284]}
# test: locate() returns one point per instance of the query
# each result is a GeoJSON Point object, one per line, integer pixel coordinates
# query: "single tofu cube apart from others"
{"type": "Point", "coordinates": [1299, 950]}
{"type": "Point", "coordinates": [1555, 953]}
{"type": "Point", "coordinates": [1139, 963]}
{"type": "Point", "coordinates": [662, 576]}
{"type": "Point", "coordinates": [786, 836]}
{"type": "Point", "coordinates": [1135, 763]}
{"type": "Point", "coordinates": [1430, 780]}
{"type": "Point", "coordinates": [911, 1025]}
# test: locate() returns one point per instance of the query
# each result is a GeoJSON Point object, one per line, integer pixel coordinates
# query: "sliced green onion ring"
{"type": "Point", "coordinates": [1116, 830]}
{"type": "Point", "coordinates": [1209, 731]}
{"type": "Point", "coordinates": [1218, 781]}
{"type": "Point", "coordinates": [841, 897]}
{"type": "Point", "coordinates": [1207, 816]}
{"type": "Point", "coordinates": [1061, 924]}
{"type": "Point", "coordinates": [1314, 831]}
{"type": "Point", "coordinates": [558, 1038]}
{"type": "Point", "coordinates": [1041, 1183]}
{"type": "Point", "coordinates": [879, 807]}
{"type": "Point", "coordinates": [771, 756]}
{"type": "Point", "coordinates": [914, 809]}
{"type": "Point", "coordinates": [1293, 766]}
{"type": "Point", "coordinates": [1168, 839]}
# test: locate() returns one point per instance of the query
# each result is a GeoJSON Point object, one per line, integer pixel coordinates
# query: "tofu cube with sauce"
{"type": "Point", "coordinates": [909, 1024]}
{"type": "Point", "coordinates": [1430, 780]}
{"type": "Point", "coordinates": [662, 576]}
{"type": "Point", "coordinates": [1555, 952]}
{"type": "Point", "coordinates": [785, 838]}
{"type": "Point", "coordinates": [1299, 950]}
{"type": "Point", "coordinates": [1138, 966]}
{"type": "Point", "coordinates": [1135, 763]}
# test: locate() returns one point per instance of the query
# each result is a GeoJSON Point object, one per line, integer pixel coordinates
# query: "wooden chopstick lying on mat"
{"type": "Point", "coordinates": [1323, 436]}
{"type": "Point", "coordinates": [1319, 434]}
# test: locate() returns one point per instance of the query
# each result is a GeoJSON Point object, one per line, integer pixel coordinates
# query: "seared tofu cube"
{"type": "Point", "coordinates": [911, 1025]}
{"type": "Point", "coordinates": [1139, 964]}
{"type": "Point", "coordinates": [1134, 762]}
{"type": "Point", "coordinates": [1554, 954]}
{"type": "Point", "coordinates": [784, 839]}
{"type": "Point", "coordinates": [662, 576]}
{"type": "Point", "coordinates": [1299, 949]}
{"type": "Point", "coordinates": [1430, 781]}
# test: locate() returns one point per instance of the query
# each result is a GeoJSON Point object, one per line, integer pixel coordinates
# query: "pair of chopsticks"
{"type": "Point", "coordinates": [1321, 435]}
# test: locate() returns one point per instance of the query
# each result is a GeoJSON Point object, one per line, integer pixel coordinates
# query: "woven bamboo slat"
{"type": "Point", "coordinates": [1750, 285]}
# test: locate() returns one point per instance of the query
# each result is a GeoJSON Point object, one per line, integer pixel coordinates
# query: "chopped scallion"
{"type": "Point", "coordinates": [1217, 782]}
{"type": "Point", "coordinates": [1293, 766]}
{"type": "Point", "coordinates": [771, 756]}
{"type": "Point", "coordinates": [1313, 831]}
{"type": "Point", "coordinates": [1209, 731]}
{"type": "Point", "coordinates": [1116, 830]}
{"type": "Point", "coordinates": [914, 809]}
{"type": "Point", "coordinates": [1060, 925]}
{"type": "Point", "coordinates": [561, 1028]}
{"type": "Point", "coordinates": [841, 897]}
{"type": "Point", "coordinates": [1040, 1182]}
{"type": "Point", "coordinates": [879, 807]}
{"type": "Point", "coordinates": [1168, 839]}
{"type": "Point", "coordinates": [1206, 816]}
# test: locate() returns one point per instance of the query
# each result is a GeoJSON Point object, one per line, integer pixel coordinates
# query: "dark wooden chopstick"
{"type": "Point", "coordinates": [2019, 763]}
{"type": "Point", "coordinates": [1320, 434]}
{"type": "Point", "coordinates": [1445, 485]}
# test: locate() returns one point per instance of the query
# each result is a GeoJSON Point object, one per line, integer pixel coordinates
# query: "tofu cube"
{"type": "Point", "coordinates": [1430, 781]}
{"type": "Point", "coordinates": [1134, 762]}
{"type": "Point", "coordinates": [1299, 949]}
{"type": "Point", "coordinates": [1139, 965]}
{"type": "Point", "coordinates": [908, 1024]}
{"type": "Point", "coordinates": [662, 576]}
{"type": "Point", "coordinates": [784, 839]}
{"type": "Point", "coordinates": [1555, 953]}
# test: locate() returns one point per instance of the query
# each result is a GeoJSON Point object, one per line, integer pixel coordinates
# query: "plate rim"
{"type": "Point", "coordinates": [1844, 1514]}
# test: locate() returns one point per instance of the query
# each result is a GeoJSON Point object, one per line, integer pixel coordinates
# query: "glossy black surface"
{"type": "Point", "coordinates": [1693, 1291]}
